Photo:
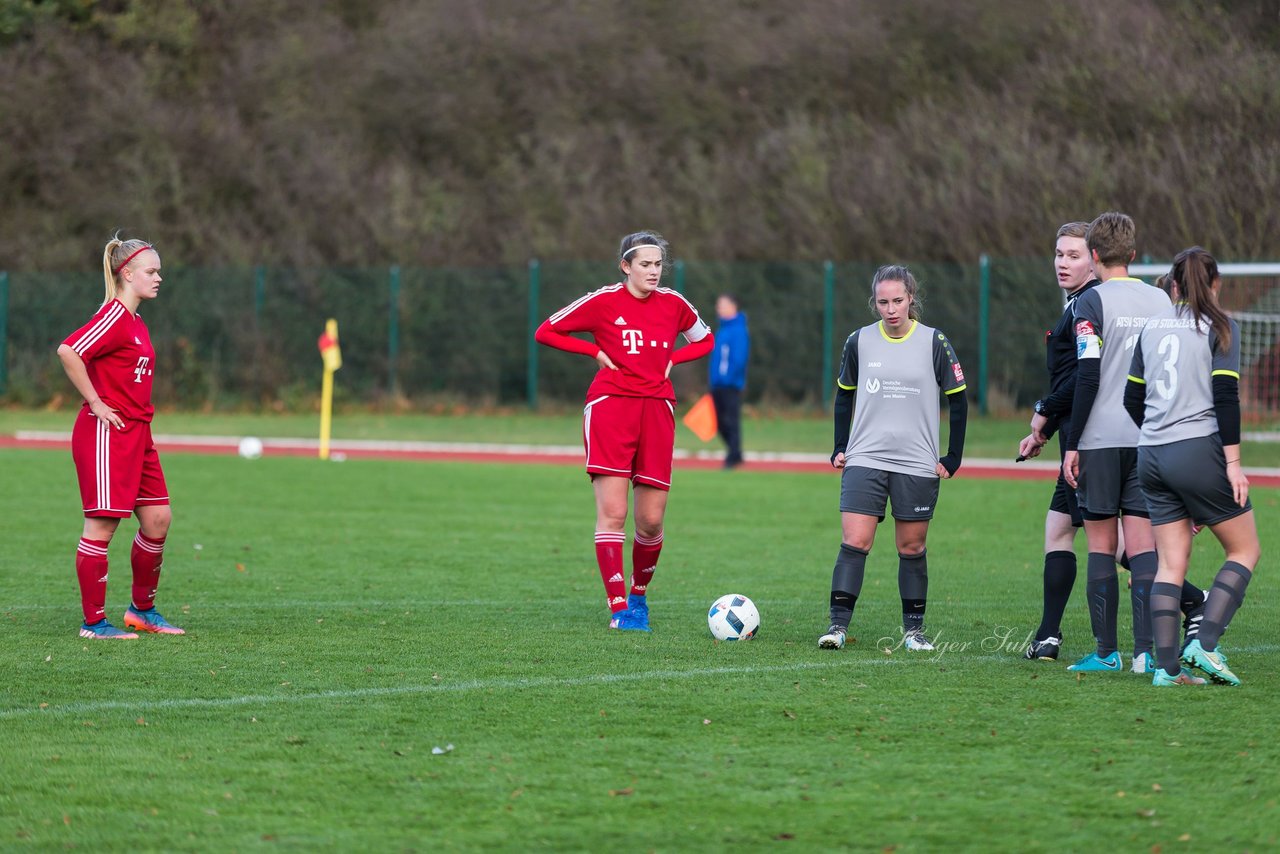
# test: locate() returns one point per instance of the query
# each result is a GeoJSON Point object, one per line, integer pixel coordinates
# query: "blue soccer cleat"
{"type": "Point", "coordinates": [1144, 662]}
{"type": "Point", "coordinates": [1093, 663]}
{"type": "Point", "coordinates": [638, 605]}
{"type": "Point", "coordinates": [150, 621]}
{"type": "Point", "coordinates": [1212, 663]}
{"type": "Point", "coordinates": [103, 630]}
{"type": "Point", "coordinates": [1161, 679]}
{"type": "Point", "coordinates": [626, 621]}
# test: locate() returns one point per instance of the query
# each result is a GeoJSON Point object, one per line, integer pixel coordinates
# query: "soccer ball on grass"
{"type": "Point", "coordinates": [733, 617]}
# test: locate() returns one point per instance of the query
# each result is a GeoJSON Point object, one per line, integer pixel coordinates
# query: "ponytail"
{"type": "Point", "coordinates": [115, 257]}
{"type": "Point", "coordinates": [108, 267]}
{"type": "Point", "coordinates": [1195, 272]}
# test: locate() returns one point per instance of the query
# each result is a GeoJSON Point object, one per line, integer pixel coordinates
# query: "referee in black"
{"type": "Point", "coordinates": [1074, 270]}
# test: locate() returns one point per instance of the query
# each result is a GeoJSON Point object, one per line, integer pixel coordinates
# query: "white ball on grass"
{"type": "Point", "coordinates": [733, 617]}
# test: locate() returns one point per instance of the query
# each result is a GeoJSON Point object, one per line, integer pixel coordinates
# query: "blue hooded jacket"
{"type": "Point", "coordinates": [729, 359]}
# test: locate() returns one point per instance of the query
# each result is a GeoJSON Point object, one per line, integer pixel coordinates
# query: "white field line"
{"type": "Point", "coordinates": [504, 683]}
{"type": "Point", "coordinates": [526, 450]}
{"type": "Point", "coordinates": [1261, 437]}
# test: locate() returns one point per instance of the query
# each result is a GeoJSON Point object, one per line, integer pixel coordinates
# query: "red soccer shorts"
{"type": "Point", "coordinates": [630, 437]}
{"type": "Point", "coordinates": [118, 470]}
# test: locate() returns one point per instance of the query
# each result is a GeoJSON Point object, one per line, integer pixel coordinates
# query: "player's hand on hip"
{"type": "Point", "coordinates": [1239, 483]}
{"type": "Point", "coordinates": [837, 460]}
{"type": "Point", "coordinates": [942, 471]}
{"type": "Point", "coordinates": [1071, 468]}
{"type": "Point", "coordinates": [605, 362]}
{"type": "Point", "coordinates": [106, 414]}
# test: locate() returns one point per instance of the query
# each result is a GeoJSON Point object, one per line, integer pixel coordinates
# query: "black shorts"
{"type": "Point", "coordinates": [1188, 480]}
{"type": "Point", "coordinates": [1064, 497]}
{"type": "Point", "coordinates": [1108, 484]}
{"type": "Point", "coordinates": [865, 491]}
{"type": "Point", "coordinates": [1064, 501]}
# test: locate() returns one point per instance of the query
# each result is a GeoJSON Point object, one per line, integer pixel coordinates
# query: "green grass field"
{"type": "Point", "coordinates": [345, 620]}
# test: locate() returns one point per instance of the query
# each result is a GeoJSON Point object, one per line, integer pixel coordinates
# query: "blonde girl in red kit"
{"type": "Point", "coordinates": [628, 428]}
{"type": "Point", "coordinates": [110, 361]}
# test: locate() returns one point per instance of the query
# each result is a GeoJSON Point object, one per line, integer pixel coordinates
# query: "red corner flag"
{"type": "Point", "coordinates": [701, 418]}
{"type": "Point", "coordinates": [330, 352]}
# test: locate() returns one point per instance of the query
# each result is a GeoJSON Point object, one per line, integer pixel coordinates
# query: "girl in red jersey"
{"type": "Point", "coordinates": [110, 361]}
{"type": "Point", "coordinates": [629, 422]}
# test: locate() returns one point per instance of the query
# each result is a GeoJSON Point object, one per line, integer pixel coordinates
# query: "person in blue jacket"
{"type": "Point", "coordinates": [729, 375]}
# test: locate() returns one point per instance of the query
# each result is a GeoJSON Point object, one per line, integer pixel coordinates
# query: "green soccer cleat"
{"type": "Point", "coordinates": [1212, 664]}
{"type": "Point", "coordinates": [1161, 679]}
{"type": "Point", "coordinates": [1093, 663]}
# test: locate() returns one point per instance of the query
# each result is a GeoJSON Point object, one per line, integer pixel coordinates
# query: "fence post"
{"type": "Point", "coordinates": [259, 291]}
{"type": "Point", "coordinates": [4, 331]}
{"type": "Point", "coordinates": [984, 324]}
{"type": "Point", "coordinates": [531, 382]}
{"type": "Point", "coordinates": [393, 330]}
{"type": "Point", "coordinates": [828, 324]}
{"type": "Point", "coordinates": [679, 283]}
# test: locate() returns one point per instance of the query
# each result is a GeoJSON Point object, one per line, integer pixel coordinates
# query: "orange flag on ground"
{"type": "Point", "coordinates": [701, 418]}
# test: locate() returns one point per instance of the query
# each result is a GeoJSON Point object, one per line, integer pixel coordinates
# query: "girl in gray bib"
{"type": "Point", "coordinates": [1183, 392]}
{"type": "Point", "coordinates": [890, 376]}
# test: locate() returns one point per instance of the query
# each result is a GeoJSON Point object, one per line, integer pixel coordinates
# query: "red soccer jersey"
{"type": "Point", "coordinates": [116, 348]}
{"type": "Point", "coordinates": [639, 335]}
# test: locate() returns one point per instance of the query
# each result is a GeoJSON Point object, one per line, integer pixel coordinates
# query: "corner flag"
{"type": "Point", "coordinates": [701, 418]}
{"type": "Point", "coordinates": [331, 354]}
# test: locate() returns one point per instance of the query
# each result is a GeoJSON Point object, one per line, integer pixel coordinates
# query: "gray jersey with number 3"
{"type": "Point", "coordinates": [1177, 359]}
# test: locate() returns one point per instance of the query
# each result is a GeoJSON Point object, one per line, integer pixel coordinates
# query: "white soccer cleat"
{"type": "Point", "coordinates": [833, 639]}
{"type": "Point", "coordinates": [917, 641]}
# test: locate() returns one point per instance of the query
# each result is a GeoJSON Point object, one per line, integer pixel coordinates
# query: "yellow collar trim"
{"type": "Point", "coordinates": [901, 340]}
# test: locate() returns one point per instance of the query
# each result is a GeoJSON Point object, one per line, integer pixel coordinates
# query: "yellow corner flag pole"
{"type": "Point", "coordinates": [331, 354]}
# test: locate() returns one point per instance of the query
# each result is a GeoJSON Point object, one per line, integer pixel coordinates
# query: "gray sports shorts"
{"type": "Point", "coordinates": [1188, 480]}
{"type": "Point", "coordinates": [1108, 484]}
{"type": "Point", "coordinates": [865, 491]}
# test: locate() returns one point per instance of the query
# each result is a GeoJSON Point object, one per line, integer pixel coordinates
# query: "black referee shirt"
{"type": "Point", "coordinates": [1060, 359]}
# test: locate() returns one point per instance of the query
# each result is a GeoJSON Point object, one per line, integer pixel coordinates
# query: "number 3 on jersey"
{"type": "Point", "coordinates": [1167, 382]}
{"type": "Point", "coordinates": [142, 369]}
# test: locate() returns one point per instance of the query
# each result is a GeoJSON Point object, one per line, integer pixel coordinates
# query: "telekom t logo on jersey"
{"type": "Point", "coordinates": [142, 369]}
{"type": "Point", "coordinates": [632, 339]}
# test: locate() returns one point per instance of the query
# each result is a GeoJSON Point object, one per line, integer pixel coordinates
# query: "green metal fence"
{"type": "Point", "coordinates": [246, 337]}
